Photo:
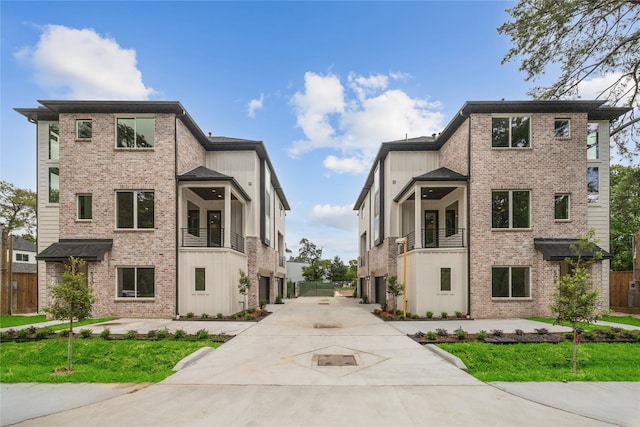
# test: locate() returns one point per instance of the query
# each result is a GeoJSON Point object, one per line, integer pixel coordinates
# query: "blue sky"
{"type": "Point", "coordinates": [321, 83]}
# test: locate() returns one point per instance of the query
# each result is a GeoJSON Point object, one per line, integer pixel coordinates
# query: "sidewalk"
{"type": "Point", "coordinates": [270, 374]}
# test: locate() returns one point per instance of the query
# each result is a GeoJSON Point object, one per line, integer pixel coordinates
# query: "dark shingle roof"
{"type": "Point", "coordinates": [87, 249]}
{"type": "Point", "coordinates": [560, 249]}
{"type": "Point", "coordinates": [20, 244]}
{"type": "Point", "coordinates": [205, 174]}
{"type": "Point", "coordinates": [441, 174]}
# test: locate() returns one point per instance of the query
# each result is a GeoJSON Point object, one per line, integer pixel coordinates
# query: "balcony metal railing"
{"type": "Point", "coordinates": [443, 238]}
{"type": "Point", "coordinates": [203, 238]}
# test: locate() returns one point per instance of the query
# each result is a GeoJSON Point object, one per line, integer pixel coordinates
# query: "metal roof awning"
{"type": "Point", "coordinates": [560, 249]}
{"type": "Point", "coordinates": [87, 249]}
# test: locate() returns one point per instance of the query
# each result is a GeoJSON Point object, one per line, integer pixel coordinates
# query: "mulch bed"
{"type": "Point", "coordinates": [512, 338]}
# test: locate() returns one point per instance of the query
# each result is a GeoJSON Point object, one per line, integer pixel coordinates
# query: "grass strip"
{"type": "Point", "coordinates": [94, 360]}
{"type": "Point", "coordinates": [9, 321]}
{"type": "Point", "coordinates": [549, 362]}
{"type": "Point", "coordinates": [77, 325]}
{"type": "Point", "coordinates": [581, 325]}
{"type": "Point", "coordinates": [625, 320]}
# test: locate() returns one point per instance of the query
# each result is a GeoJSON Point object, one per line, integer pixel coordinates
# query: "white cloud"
{"type": "Point", "coordinates": [592, 88]}
{"type": "Point", "coordinates": [340, 217]}
{"type": "Point", "coordinates": [81, 64]}
{"type": "Point", "coordinates": [255, 104]}
{"type": "Point", "coordinates": [354, 120]}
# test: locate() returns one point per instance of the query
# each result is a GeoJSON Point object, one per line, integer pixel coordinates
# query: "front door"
{"type": "Point", "coordinates": [214, 219]}
{"type": "Point", "coordinates": [430, 229]}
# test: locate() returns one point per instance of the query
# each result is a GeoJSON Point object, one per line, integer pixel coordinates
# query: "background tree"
{"type": "Point", "coordinates": [308, 252]}
{"type": "Point", "coordinates": [574, 300]}
{"type": "Point", "coordinates": [317, 271]}
{"type": "Point", "coordinates": [337, 271]}
{"type": "Point", "coordinates": [395, 289]}
{"type": "Point", "coordinates": [18, 210]}
{"type": "Point", "coordinates": [352, 271]}
{"type": "Point", "coordinates": [625, 214]}
{"type": "Point", "coordinates": [583, 41]}
{"type": "Point", "coordinates": [71, 299]}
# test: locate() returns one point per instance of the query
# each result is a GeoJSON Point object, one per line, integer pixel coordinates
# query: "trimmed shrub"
{"type": "Point", "coordinates": [105, 334]}
{"type": "Point", "coordinates": [131, 335]}
{"type": "Point", "coordinates": [179, 334]}
{"type": "Point", "coordinates": [444, 314]}
{"type": "Point", "coordinates": [162, 333]}
{"type": "Point", "coordinates": [431, 335]}
{"type": "Point", "coordinates": [202, 334]}
{"type": "Point", "coordinates": [86, 333]}
{"type": "Point", "coordinates": [429, 314]}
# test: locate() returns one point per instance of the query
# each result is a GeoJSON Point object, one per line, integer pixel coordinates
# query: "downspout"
{"type": "Point", "coordinates": [468, 215]}
{"type": "Point", "coordinates": [175, 168]}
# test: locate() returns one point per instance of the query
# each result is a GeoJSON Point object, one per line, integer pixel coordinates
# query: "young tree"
{"type": "Point", "coordinates": [586, 41]}
{"type": "Point", "coordinates": [625, 214]}
{"type": "Point", "coordinates": [395, 289]}
{"type": "Point", "coordinates": [308, 252]}
{"type": "Point", "coordinates": [18, 210]}
{"type": "Point", "coordinates": [352, 271]}
{"type": "Point", "coordinates": [317, 271]}
{"type": "Point", "coordinates": [71, 299]}
{"type": "Point", "coordinates": [574, 300]}
{"type": "Point", "coordinates": [337, 271]}
{"type": "Point", "coordinates": [244, 284]}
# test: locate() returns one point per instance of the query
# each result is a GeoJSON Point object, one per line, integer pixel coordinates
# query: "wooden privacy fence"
{"type": "Point", "coordinates": [24, 293]}
{"type": "Point", "coordinates": [619, 290]}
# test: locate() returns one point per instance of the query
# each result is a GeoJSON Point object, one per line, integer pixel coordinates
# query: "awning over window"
{"type": "Point", "coordinates": [560, 249]}
{"type": "Point", "coordinates": [87, 249]}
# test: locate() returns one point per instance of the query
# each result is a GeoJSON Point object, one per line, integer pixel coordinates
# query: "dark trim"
{"type": "Point", "coordinates": [560, 249]}
{"type": "Point", "coordinates": [469, 216]}
{"type": "Point", "coordinates": [213, 176]}
{"type": "Point", "coordinates": [426, 178]}
{"type": "Point", "coordinates": [177, 215]}
{"type": "Point", "coordinates": [90, 250]}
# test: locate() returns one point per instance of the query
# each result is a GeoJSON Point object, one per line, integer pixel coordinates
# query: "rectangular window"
{"type": "Point", "coordinates": [54, 141]}
{"type": "Point", "coordinates": [514, 132]}
{"type": "Point", "coordinates": [200, 279]}
{"type": "Point", "coordinates": [510, 282]}
{"type": "Point", "coordinates": [562, 207]}
{"type": "Point", "coordinates": [83, 129]}
{"type": "Point", "coordinates": [135, 215]}
{"type": "Point", "coordinates": [84, 206]}
{"type": "Point", "coordinates": [510, 209]}
{"type": "Point", "coordinates": [445, 279]}
{"type": "Point", "coordinates": [136, 132]}
{"type": "Point", "coordinates": [136, 282]}
{"type": "Point", "coordinates": [593, 184]}
{"type": "Point", "coordinates": [377, 227]}
{"type": "Point", "coordinates": [562, 128]}
{"type": "Point", "coordinates": [193, 219]}
{"type": "Point", "coordinates": [451, 219]}
{"type": "Point", "coordinates": [54, 185]}
{"type": "Point", "coordinates": [593, 148]}
{"type": "Point", "coordinates": [22, 257]}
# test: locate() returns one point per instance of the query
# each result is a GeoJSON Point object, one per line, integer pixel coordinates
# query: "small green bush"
{"type": "Point", "coordinates": [429, 314]}
{"type": "Point", "coordinates": [179, 334]}
{"type": "Point", "coordinates": [42, 333]}
{"type": "Point", "coordinates": [190, 315]}
{"type": "Point", "coordinates": [414, 316]}
{"type": "Point", "coordinates": [131, 335]}
{"type": "Point", "coordinates": [162, 333]}
{"type": "Point", "coordinates": [279, 299]}
{"type": "Point", "coordinates": [461, 334]}
{"type": "Point", "coordinates": [105, 334]}
{"type": "Point", "coordinates": [204, 316]}
{"type": "Point", "coordinates": [64, 333]}
{"type": "Point", "coordinates": [86, 333]}
{"type": "Point", "coordinates": [458, 314]}
{"type": "Point", "coordinates": [587, 335]}
{"type": "Point", "coordinates": [202, 334]}
{"type": "Point", "coordinates": [219, 315]}
{"type": "Point", "coordinates": [431, 335]}
{"type": "Point", "coordinates": [365, 299]}
{"type": "Point", "coordinates": [22, 333]}
{"type": "Point", "coordinates": [251, 310]}
{"type": "Point", "coordinates": [444, 314]}
{"type": "Point", "coordinates": [481, 335]}
{"type": "Point", "coordinates": [263, 304]}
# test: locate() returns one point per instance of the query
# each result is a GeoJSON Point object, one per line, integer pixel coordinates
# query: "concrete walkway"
{"type": "Point", "coordinates": [271, 374]}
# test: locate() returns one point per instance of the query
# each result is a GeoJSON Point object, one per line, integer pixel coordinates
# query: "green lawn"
{"type": "Point", "coordinates": [625, 320]}
{"type": "Point", "coordinates": [94, 360]}
{"type": "Point", "coordinates": [77, 325]}
{"type": "Point", "coordinates": [7, 321]}
{"type": "Point", "coordinates": [549, 362]}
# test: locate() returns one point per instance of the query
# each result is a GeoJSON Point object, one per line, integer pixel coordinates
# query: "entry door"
{"type": "Point", "coordinates": [214, 219]}
{"type": "Point", "coordinates": [430, 229]}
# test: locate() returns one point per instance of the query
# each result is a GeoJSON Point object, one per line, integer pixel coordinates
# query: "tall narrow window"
{"type": "Point", "coordinates": [562, 207]}
{"type": "Point", "coordinates": [451, 219]}
{"type": "Point", "coordinates": [200, 282]}
{"type": "Point", "coordinates": [84, 206]}
{"type": "Point", "coordinates": [136, 132]}
{"type": "Point", "coordinates": [445, 279]}
{"type": "Point", "coordinates": [54, 185]}
{"type": "Point", "coordinates": [83, 129]}
{"type": "Point", "coordinates": [593, 184]}
{"type": "Point", "coordinates": [593, 148]}
{"type": "Point", "coordinates": [54, 141]}
{"type": "Point", "coordinates": [561, 128]}
{"type": "Point", "coordinates": [193, 219]}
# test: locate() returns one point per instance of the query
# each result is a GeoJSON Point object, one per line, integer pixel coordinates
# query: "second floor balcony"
{"type": "Point", "coordinates": [436, 238]}
{"type": "Point", "coordinates": [208, 238]}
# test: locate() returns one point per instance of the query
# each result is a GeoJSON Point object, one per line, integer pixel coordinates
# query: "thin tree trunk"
{"type": "Point", "coordinates": [575, 345]}
{"type": "Point", "coordinates": [70, 345]}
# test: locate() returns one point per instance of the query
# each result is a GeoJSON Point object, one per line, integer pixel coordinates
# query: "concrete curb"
{"type": "Point", "coordinates": [192, 358]}
{"type": "Point", "coordinates": [447, 356]}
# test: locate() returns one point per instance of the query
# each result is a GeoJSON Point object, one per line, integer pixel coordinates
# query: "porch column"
{"type": "Point", "coordinates": [227, 216]}
{"type": "Point", "coordinates": [417, 217]}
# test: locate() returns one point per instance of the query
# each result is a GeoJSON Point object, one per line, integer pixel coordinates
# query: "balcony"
{"type": "Point", "coordinates": [280, 261]}
{"type": "Point", "coordinates": [437, 238]}
{"type": "Point", "coordinates": [205, 238]}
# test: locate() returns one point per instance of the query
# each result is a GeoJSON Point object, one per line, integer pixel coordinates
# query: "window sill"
{"type": "Point", "coordinates": [83, 139]}
{"type": "Point", "coordinates": [134, 149]}
{"type": "Point", "coordinates": [512, 148]}
{"type": "Point", "coordinates": [501, 230]}
{"type": "Point", "coordinates": [141, 300]}
{"type": "Point", "coordinates": [134, 230]}
{"type": "Point", "coordinates": [84, 220]}
{"type": "Point", "coordinates": [561, 221]}
{"type": "Point", "coordinates": [200, 293]}
{"type": "Point", "coordinates": [511, 299]}
{"type": "Point", "coordinates": [445, 293]}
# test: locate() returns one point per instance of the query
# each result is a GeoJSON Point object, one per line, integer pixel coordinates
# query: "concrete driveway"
{"type": "Point", "coordinates": [323, 362]}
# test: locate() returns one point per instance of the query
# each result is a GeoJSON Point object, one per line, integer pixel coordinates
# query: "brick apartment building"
{"type": "Point", "coordinates": [164, 215]}
{"type": "Point", "coordinates": [489, 207]}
